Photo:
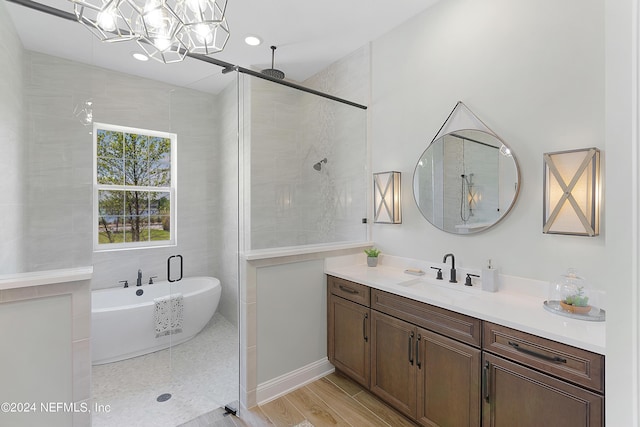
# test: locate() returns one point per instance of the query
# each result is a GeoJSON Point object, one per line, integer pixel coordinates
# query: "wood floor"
{"type": "Point", "coordinates": [333, 400]}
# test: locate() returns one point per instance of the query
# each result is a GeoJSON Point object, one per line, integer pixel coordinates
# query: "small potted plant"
{"type": "Point", "coordinates": [576, 302]}
{"type": "Point", "coordinates": [372, 256]}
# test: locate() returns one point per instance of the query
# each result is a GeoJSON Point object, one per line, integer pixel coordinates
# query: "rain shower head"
{"type": "Point", "coordinates": [318, 166]}
{"type": "Point", "coordinates": [272, 72]}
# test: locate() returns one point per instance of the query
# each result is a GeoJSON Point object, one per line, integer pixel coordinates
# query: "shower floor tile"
{"type": "Point", "coordinates": [200, 374]}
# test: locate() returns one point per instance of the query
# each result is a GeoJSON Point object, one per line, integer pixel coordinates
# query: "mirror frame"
{"type": "Point", "coordinates": [462, 119]}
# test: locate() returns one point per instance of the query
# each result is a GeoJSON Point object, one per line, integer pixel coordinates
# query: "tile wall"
{"type": "Point", "coordinates": [59, 168]}
{"type": "Point", "coordinates": [291, 202]}
{"type": "Point", "coordinates": [12, 203]}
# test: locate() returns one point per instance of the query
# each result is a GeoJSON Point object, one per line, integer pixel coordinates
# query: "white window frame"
{"type": "Point", "coordinates": [172, 190]}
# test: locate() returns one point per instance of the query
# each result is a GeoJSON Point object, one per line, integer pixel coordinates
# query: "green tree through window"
{"type": "Point", "coordinates": [134, 185]}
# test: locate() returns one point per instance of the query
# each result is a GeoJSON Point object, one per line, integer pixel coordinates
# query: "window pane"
{"type": "Point", "coordinates": [136, 203]}
{"type": "Point", "coordinates": [109, 143]}
{"type": "Point", "coordinates": [136, 228]}
{"type": "Point", "coordinates": [159, 161]}
{"type": "Point", "coordinates": [110, 203]}
{"type": "Point", "coordinates": [110, 229]}
{"type": "Point", "coordinates": [110, 153]}
{"type": "Point", "coordinates": [160, 203]}
{"type": "Point", "coordinates": [160, 228]}
{"type": "Point", "coordinates": [136, 159]}
{"type": "Point", "coordinates": [110, 170]}
{"type": "Point", "coordinates": [137, 216]}
{"type": "Point", "coordinates": [160, 209]}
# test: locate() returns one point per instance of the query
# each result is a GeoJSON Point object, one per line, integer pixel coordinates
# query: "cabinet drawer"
{"type": "Point", "coordinates": [349, 290]}
{"type": "Point", "coordinates": [454, 325]}
{"type": "Point", "coordinates": [564, 361]}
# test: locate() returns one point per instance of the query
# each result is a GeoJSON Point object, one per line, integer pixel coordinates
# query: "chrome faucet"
{"type": "Point", "coordinates": [139, 281]}
{"type": "Point", "coordinates": [452, 274]}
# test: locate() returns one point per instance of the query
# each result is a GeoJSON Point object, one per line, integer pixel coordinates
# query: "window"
{"type": "Point", "coordinates": [134, 181]}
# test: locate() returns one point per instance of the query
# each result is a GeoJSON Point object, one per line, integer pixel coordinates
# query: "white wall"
{"type": "Point", "coordinates": [621, 209]}
{"type": "Point", "coordinates": [296, 336]}
{"type": "Point", "coordinates": [46, 355]}
{"type": "Point", "coordinates": [41, 371]}
{"type": "Point", "coordinates": [540, 90]}
{"type": "Point", "coordinates": [545, 76]}
{"type": "Point", "coordinates": [11, 148]}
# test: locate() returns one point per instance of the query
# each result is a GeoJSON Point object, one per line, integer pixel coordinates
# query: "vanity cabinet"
{"type": "Point", "coordinates": [348, 326]}
{"type": "Point", "coordinates": [532, 381]}
{"type": "Point", "coordinates": [443, 368]}
{"type": "Point", "coordinates": [427, 376]}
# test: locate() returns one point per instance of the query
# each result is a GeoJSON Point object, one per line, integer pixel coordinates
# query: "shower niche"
{"type": "Point", "coordinates": [467, 179]}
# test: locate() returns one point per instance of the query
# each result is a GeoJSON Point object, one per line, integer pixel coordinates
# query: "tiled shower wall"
{"type": "Point", "coordinates": [226, 218]}
{"type": "Point", "coordinates": [12, 149]}
{"type": "Point", "coordinates": [291, 202]}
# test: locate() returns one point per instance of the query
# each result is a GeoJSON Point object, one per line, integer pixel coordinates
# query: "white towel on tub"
{"type": "Point", "coordinates": [168, 314]}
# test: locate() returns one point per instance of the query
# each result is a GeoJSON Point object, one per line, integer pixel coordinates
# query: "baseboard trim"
{"type": "Point", "coordinates": [283, 384]}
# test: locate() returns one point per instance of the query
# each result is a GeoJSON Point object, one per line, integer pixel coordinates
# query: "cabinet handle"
{"type": "Point", "coordinates": [364, 327]}
{"type": "Point", "coordinates": [418, 352]}
{"type": "Point", "coordinates": [485, 381]}
{"type": "Point", "coordinates": [348, 290]}
{"type": "Point", "coordinates": [536, 354]}
{"type": "Point", "coordinates": [411, 348]}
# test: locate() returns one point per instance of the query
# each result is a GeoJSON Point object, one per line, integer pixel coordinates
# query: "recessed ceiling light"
{"type": "Point", "coordinates": [252, 40]}
{"type": "Point", "coordinates": [140, 56]}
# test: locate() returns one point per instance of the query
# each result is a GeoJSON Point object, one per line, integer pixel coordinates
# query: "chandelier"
{"type": "Point", "coordinates": [167, 30]}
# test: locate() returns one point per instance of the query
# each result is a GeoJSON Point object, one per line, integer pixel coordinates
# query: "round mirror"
{"type": "Point", "coordinates": [466, 181]}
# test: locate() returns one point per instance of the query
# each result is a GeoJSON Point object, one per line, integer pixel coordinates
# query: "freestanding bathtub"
{"type": "Point", "coordinates": [123, 323]}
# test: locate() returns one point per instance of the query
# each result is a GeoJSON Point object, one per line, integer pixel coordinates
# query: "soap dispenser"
{"type": "Point", "coordinates": [489, 278]}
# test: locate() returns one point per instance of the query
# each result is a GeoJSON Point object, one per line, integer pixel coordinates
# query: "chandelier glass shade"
{"type": "Point", "coordinates": [167, 30]}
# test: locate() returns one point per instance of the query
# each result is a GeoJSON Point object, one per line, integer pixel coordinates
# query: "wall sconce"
{"type": "Point", "coordinates": [386, 198]}
{"type": "Point", "coordinates": [572, 192]}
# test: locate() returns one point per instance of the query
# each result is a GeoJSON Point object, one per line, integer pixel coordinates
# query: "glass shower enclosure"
{"type": "Point", "coordinates": [304, 159]}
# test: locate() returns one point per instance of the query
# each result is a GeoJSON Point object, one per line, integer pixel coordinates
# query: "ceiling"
{"type": "Point", "coordinates": [309, 35]}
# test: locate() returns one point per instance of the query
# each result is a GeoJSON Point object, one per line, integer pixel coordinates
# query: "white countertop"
{"type": "Point", "coordinates": [42, 278]}
{"type": "Point", "coordinates": [259, 254]}
{"type": "Point", "coordinates": [518, 310]}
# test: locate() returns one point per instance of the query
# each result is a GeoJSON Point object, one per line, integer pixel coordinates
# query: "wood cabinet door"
{"type": "Point", "coordinates": [348, 338]}
{"type": "Point", "coordinates": [448, 382]}
{"type": "Point", "coordinates": [393, 374]}
{"type": "Point", "coordinates": [514, 395]}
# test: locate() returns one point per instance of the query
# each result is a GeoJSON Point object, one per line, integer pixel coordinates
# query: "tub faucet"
{"type": "Point", "coordinates": [139, 281]}
{"type": "Point", "coordinates": [452, 275]}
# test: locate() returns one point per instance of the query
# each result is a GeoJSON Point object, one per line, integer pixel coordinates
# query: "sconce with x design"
{"type": "Point", "coordinates": [386, 198]}
{"type": "Point", "coordinates": [572, 192]}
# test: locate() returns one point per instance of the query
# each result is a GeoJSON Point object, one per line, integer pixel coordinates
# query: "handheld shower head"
{"type": "Point", "coordinates": [318, 166]}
